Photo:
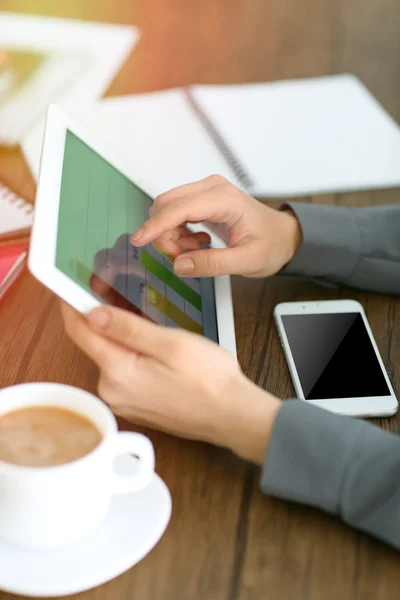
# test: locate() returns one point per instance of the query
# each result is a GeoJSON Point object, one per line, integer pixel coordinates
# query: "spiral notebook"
{"type": "Point", "coordinates": [16, 215]}
{"type": "Point", "coordinates": [286, 138]}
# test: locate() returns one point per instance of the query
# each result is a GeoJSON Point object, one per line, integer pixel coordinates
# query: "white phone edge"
{"type": "Point", "coordinates": [379, 406]}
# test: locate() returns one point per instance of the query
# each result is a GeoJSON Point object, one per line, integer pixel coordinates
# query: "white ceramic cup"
{"type": "Point", "coordinates": [46, 507]}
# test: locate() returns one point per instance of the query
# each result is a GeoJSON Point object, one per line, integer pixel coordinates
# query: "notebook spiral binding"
{"type": "Point", "coordinates": [241, 174]}
{"type": "Point", "coordinates": [9, 196]}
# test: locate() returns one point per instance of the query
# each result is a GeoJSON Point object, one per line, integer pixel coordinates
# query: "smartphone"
{"type": "Point", "coordinates": [333, 358]}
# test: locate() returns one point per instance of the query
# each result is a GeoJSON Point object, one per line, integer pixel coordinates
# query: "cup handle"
{"type": "Point", "coordinates": [127, 442]}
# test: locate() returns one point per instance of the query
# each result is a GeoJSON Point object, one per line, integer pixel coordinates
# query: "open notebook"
{"type": "Point", "coordinates": [16, 215]}
{"type": "Point", "coordinates": [275, 139]}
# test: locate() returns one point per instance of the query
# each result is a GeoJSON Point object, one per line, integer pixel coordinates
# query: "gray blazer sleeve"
{"type": "Point", "coordinates": [356, 247]}
{"type": "Point", "coordinates": [343, 466]}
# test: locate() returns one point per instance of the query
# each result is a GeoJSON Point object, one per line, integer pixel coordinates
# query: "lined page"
{"type": "Point", "coordinates": [15, 213]}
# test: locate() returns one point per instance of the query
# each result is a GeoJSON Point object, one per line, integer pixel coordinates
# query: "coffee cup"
{"type": "Point", "coordinates": [58, 504]}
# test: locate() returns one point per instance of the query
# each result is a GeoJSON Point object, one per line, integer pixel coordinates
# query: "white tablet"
{"type": "Point", "coordinates": [88, 203]}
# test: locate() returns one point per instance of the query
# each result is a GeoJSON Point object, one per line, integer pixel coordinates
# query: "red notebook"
{"type": "Point", "coordinates": [12, 263]}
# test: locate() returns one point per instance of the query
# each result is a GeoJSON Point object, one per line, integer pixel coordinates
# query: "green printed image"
{"type": "Point", "coordinates": [17, 67]}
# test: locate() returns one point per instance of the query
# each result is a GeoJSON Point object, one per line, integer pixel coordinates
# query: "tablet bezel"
{"type": "Point", "coordinates": [42, 252]}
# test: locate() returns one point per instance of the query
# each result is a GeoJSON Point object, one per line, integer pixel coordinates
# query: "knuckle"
{"type": "Point", "coordinates": [228, 187]}
{"type": "Point", "coordinates": [158, 201]}
{"type": "Point", "coordinates": [209, 263]}
{"type": "Point", "coordinates": [162, 199]}
{"type": "Point", "coordinates": [182, 202]}
{"type": "Point", "coordinates": [217, 179]}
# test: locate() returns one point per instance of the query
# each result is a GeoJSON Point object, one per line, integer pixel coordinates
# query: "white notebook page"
{"type": "Point", "coordinates": [306, 136]}
{"type": "Point", "coordinates": [159, 135]}
{"type": "Point", "coordinates": [15, 213]}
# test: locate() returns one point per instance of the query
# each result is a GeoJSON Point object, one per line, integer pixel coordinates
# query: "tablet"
{"type": "Point", "coordinates": [88, 203]}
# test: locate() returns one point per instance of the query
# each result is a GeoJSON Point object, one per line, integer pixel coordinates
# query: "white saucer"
{"type": "Point", "coordinates": [133, 526]}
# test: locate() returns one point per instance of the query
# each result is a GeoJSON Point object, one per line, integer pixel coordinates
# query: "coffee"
{"type": "Point", "coordinates": [46, 436]}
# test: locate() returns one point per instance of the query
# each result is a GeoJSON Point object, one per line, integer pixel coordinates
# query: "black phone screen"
{"type": "Point", "coordinates": [334, 356]}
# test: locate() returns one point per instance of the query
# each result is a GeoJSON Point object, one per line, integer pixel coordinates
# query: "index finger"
{"type": "Point", "coordinates": [203, 206]}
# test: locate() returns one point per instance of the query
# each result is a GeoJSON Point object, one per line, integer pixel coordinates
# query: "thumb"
{"type": "Point", "coordinates": [211, 263]}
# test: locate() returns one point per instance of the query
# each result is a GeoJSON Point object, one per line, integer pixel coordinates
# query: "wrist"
{"type": "Point", "coordinates": [249, 425]}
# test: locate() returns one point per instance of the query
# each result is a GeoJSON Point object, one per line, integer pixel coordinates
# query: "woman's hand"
{"type": "Point", "coordinates": [174, 381]}
{"type": "Point", "coordinates": [261, 240]}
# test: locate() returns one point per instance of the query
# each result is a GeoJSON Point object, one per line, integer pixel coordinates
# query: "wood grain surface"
{"type": "Point", "coordinates": [226, 541]}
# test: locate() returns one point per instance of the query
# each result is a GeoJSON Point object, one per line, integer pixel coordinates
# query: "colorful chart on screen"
{"type": "Point", "coordinates": [99, 209]}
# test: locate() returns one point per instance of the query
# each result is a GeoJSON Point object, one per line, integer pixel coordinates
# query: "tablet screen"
{"type": "Point", "coordinates": [99, 209]}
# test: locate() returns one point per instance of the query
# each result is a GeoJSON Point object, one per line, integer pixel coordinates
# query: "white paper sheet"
{"type": "Point", "coordinates": [306, 136]}
{"type": "Point", "coordinates": [25, 104]}
{"type": "Point", "coordinates": [158, 134]}
{"type": "Point", "coordinates": [107, 45]}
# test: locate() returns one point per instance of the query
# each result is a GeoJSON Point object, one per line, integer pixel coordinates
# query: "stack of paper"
{"type": "Point", "coordinates": [286, 138]}
{"type": "Point", "coordinates": [62, 61]}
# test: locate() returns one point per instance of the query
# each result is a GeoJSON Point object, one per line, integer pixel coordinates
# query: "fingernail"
{"type": "Point", "coordinates": [99, 318]}
{"type": "Point", "coordinates": [184, 266]}
{"type": "Point", "coordinates": [137, 235]}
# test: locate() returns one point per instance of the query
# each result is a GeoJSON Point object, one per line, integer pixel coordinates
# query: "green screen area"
{"type": "Point", "coordinates": [97, 205]}
{"type": "Point", "coordinates": [99, 210]}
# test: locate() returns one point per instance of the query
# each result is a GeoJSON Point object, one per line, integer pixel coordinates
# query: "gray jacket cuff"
{"type": "Point", "coordinates": [331, 244]}
{"type": "Point", "coordinates": [307, 455]}
{"type": "Point", "coordinates": [341, 465]}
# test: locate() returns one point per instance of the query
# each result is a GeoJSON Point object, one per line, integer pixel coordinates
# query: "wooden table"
{"type": "Point", "coordinates": [226, 541]}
